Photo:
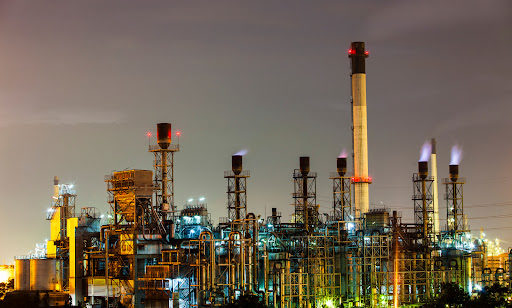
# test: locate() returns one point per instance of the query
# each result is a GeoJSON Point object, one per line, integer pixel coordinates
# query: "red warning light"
{"type": "Point", "coordinates": [356, 179]}
{"type": "Point", "coordinates": [178, 133]}
{"type": "Point", "coordinates": [367, 53]}
{"type": "Point", "coordinates": [149, 134]}
{"type": "Point", "coordinates": [351, 51]}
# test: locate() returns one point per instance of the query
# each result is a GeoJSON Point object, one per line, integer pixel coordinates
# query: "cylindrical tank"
{"type": "Point", "coordinates": [43, 274]}
{"type": "Point", "coordinates": [22, 275]}
{"type": "Point", "coordinates": [163, 135]}
{"type": "Point", "coordinates": [454, 172]}
{"type": "Point", "coordinates": [236, 164]}
{"type": "Point", "coordinates": [423, 169]}
{"type": "Point", "coordinates": [341, 165]}
{"type": "Point", "coordinates": [304, 165]}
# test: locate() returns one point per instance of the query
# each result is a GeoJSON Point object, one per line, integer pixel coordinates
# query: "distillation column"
{"type": "Point", "coordinates": [358, 54]}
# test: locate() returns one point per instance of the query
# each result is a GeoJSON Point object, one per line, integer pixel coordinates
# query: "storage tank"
{"type": "Point", "coordinates": [43, 274]}
{"type": "Point", "coordinates": [22, 275]}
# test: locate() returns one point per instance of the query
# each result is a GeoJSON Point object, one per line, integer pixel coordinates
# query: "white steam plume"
{"type": "Point", "coordinates": [242, 152]}
{"type": "Point", "coordinates": [426, 150]}
{"type": "Point", "coordinates": [456, 155]}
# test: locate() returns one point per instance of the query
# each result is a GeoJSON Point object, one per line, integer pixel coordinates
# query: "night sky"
{"type": "Point", "coordinates": [82, 81]}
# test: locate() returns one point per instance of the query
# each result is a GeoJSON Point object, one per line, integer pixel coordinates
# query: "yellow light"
{"type": "Point", "coordinates": [5, 275]}
{"type": "Point", "coordinates": [328, 303]}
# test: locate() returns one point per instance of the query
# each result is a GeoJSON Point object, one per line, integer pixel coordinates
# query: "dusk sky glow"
{"type": "Point", "coordinates": [82, 82]}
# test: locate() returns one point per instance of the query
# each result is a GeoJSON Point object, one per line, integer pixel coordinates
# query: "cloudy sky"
{"type": "Point", "coordinates": [82, 81]}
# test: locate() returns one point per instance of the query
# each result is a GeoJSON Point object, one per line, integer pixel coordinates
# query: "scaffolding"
{"type": "Point", "coordinates": [424, 207]}
{"type": "Point", "coordinates": [342, 198]}
{"type": "Point", "coordinates": [163, 165]}
{"type": "Point", "coordinates": [237, 198]}
{"type": "Point", "coordinates": [369, 270]}
{"type": "Point", "coordinates": [304, 195]}
{"type": "Point", "coordinates": [309, 280]}
{"type": "Point", "coordinates": [130, 198]}
{"type": "Point", "coordinates": [455, 205]}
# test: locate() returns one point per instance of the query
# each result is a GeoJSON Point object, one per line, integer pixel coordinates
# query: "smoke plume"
{"type": "Point", "coordinates": [426, 150]}
{"type": "Point", "coordinates": [242, 152]}
{"type": "Point", "coordinates": [456, 155]}
{"type": "Point", "coordinates": [343, 154]}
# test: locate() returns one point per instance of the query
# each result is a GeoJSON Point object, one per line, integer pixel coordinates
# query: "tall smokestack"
{"type": "Point", "coordinates": [435, 192]}
{"type": "Point", "coordinates": [358, 56]}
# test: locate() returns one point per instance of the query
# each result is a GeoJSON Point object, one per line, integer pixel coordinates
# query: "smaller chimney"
{"type": "Point", "coordinates": [55, 180]}
{"type": "Point", "coordinates": [423, 169]}
{"type": "Point", "coordinates": [341, 165]}
{"type": "Point", "coordinates": [163, 135]}
{"type": "Point", "coordinates": [454, 172]}
{"type": "Point", "coordinates": [236, 164]}
{"type": "Point", "coordinates": [304, 165]}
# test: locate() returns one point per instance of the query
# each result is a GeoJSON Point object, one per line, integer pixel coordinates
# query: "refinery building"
{"type": "Point", "coordinates": [148, 252]}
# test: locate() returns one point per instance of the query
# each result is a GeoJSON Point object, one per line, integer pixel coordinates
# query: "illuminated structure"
{"type": "Point", "coordinates": [148, 253]}
{"type": "Point", "coordinates": [435, 186]}
{"type": "Point", "coordinates": [358, 54]}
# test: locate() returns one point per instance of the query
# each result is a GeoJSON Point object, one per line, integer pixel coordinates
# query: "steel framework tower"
{"type": "Point", "coordinates": [342, 201]}
{"type": "Point", "coordinates": [423, 206]}
{"type": "Point", "coordinates": [237, 198]}
{"type": "Point", "coordinates": [164, 170]}
{"type": "Point", "coordinates": [455, 201]}
{"type": "Point", "coordinates": [358, 54]}
{"type": "Point", "coordinates": [304, 195]}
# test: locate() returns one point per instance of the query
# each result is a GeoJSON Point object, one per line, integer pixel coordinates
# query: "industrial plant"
{"type": "Point", "coordinates": [149, 252]}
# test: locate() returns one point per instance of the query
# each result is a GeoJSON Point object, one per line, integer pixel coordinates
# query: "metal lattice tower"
{"type": "Point", "coordinates": [455, 201]}
{"type": "Point", "coordinates": [341, 190]}
{"type": "Point", "coordinates": [304, 195]}
{"type": "Point", "coordinates": [423, 202]}
{"type": "Point", "coordinates": [237, 198]}
{"type": "Point", "coordinates": [164, 170]}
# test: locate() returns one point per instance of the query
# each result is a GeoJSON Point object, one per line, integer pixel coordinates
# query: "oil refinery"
{"type": "Point", "coordinates": [149, 252]}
